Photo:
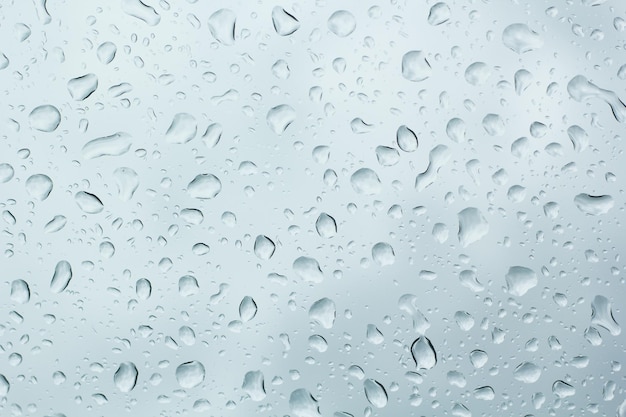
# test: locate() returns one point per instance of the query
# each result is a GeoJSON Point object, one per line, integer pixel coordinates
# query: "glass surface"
{"type": "Point", "coordinates": [314, 208]}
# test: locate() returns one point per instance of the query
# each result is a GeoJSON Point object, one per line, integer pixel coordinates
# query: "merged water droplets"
{"type": "Point", "coordinates": [247, 309]}
{"type": "Point", "coordinates": [594, 204]}
{"type": "Point", "coordinates": [439, 13]}
{"type": "Point", "coordinates": [581, 89]}
{"type": "Point", "coordinates": [45, 118]}
{"type": "Point", "coordinates": [602, 315]}
{"type": "Point", "coordinates": [125, 378]}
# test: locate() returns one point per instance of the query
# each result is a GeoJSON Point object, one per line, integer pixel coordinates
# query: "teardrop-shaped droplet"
{"type": "Point", "coordinates": [424, 353]}
{"type": "Point", "coordinates": [62, 277]}
{"type": "Point", "coordinates": [6, 172]}
{"type": "Point", "coordinates": [45, 118]}
{"type": "Point", "coordinates": [125, 378]}
{"type": "Point", "coordinates": [143, 288]}
{"type": "Point", "coordinates": [190, 374]}
{"type": "Point", "coordinates": [375, 393]}
{"type": "Point", "coordinates": [39, 186]}
{"type": "Point", "coordinates": [264, 247]}
{"type": "Point", "coordinates": [247, 309]}
{"type": "Point", "coordinates": [406, 139]}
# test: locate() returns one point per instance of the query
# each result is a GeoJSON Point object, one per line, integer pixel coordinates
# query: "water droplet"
{"type": "Point", "coordinates": [477, 73]}
{"type": "Point", "coordinates": [415, 66]}
{"type": "Point", "coordinates": [204, 186]}
{"type": "Point", "coordinates": [383, 254]}
{"type": "Point", "coordinates": [45, 118]}
{"type": "Point", "coordinates": [472, 226]}
{"type": "Point", "coordinates": [125, 378]}
{"type": "Point", "coordinates": [222, 26]}
{"type": "Point", "coordinates": [254, 385]}
{"type": "Point", "coordinates": [114, 145]}
{"type": "Point", "coordinates": [106, 52]}
{"type": "Point", "coordinates": [20, 292]}
{"type": "Point", "coordinates": [212, 135]}
{"type": "Point", "coordinates": [280, 117]}
{"type": "Point", "coordinates": [375, 393]}
{"type": "Point", "coordinates": [519, 38]}
{"type": "Point", "coordinates": [82, 87]}
{"type": "Point", "coordinates": [406, 139]}
{"type": "Point", "coordinates": [88, 203]}
{"type": "Point", "coordinates": [303, 404]}
{"type": "Point", "coordinates": [39, 186]}
{"type": "Point", "coordinates": [581, 89]}
{"type": "Point", "coordinates": [366, 181]}
{"type": "Point", "coordinates": [127, 181]}
{"type": "Point", "coordinates": [182, 129]}
{"type": "Point", "coordinates": [6, 173]}
{"type": "Point", "coordinates": [284, 23]}
{"type": "Point", "coordinates": [522, 80]}
{"type": "Point", "coordinates": [439, 13]}
{"type": "Point", "coordinates": [247, 309]}
{"type": "Point", "coordinates": [190, 374]}
{"type": "Point", "coordinates": [478, 358]}
{"type": "Point", "coordinates": [562, 389]}
{"type": "Point", "coordinates": [437, 158]}
{"type": "Point", "coordinates": [326, 226]}
{"type": "Point", "coordinates": [527, 372]}
{"type": "Point", "coordinates": [455, 129]}
{"type": "Point", "coordinates": [602, 315]}
{"type": "Point", "coordinates": [485, 393]}
{"type": "Point", "coordinates": [264, 247]}
{"type": "Point", "coordinates": [493, 124]}
{"type": "Point", "coordinates": [373, 335]}
{"type": "Point", "coordinates": [464, 320]}
{"type": "Point", "coordinates": [342, 23]}
{"type": "Point", "coordinates": [323, 312]}
{"type": "Point", "coordinates": [143, 12]}
{"type": "Point", "coordinates": [143, 289]}
{"type": "Point", "coordinates": [520, 280]}
{"type": "Point", "coordinates": [594, 205]}
{"type": "Point", "coordinates": [61, 278]}
{"type": "Point", "coordinates": [57, 223]}
{"type": "Point", "coordinates": [423, 353]}
{"type": "Point", "coordinates": [387, 156]}
{"type": "Point", "coordinates": [579, 137]}
{"type": "Point", "coordinates": [192, 216]}
{"type": "Point", "coordinates": [4, 386]}
{"type": "Point", "coordinates": [188, 286]}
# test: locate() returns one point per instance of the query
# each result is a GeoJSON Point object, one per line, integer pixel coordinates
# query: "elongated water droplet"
{"type": "Point", "coordinates": [45, 118]}
{"type": "Point", "coordinates": [383, 254]}
{"type": "Point", "coordinates": [303, 404]}
{"type": "Point", "coordinates": [212, 135]}
{"type": "Point", "coordinates": [472, 226]}
{"type": "Point", "coordinates": [594, 204]}
{"type": "Point", "coordinates": [406, 139]}
{"type": "Point", "coordinates": [527, 372]}
{"type": "Point", "coordinates": [114, 145]}
{"type": "Point", "coordinates": [57, 223]}
{"type": "Point", "coordinates": [204, 186]}
{"type": "Point", "coordinates": [125, 378]}
{"type": "Point", "coordinates": [190, 374]}
{"type": "Point", "coordinates": [143, 12]}
{"type": "Point", "coordinates": [62, 277]}
{"type": "Point", "coordinates": [439, 13]}
{"type": "Point", "coordinates": [106, 52]}
{"type": "Point", "coordinates": [375, 393]}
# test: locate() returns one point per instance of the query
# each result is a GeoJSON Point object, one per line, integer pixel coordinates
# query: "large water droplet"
{"type": "Point", "coordinates": [39, 186]}
{"type": "Point", "coordinates": [383, 254]}
{"type": "Point", "coordinates": [182, 129]}
{"type": "Point", "coordinates": [477, 73]}
{"type": "Point", "coordinates": [326, 226]}
{"type": "Point", "coordinates": [114, 145]}
{"type": "Point", "coordinates": [424, 353]}
{"type": "Point", "coordinates": [342, 23]}
{"type": "Point", "coordinates": [190, 374]}
{"type": "Point", "coordinates": [519, 38]}
{"type": "Point", "coordinates": [415, 67]}
{"type": "Point", "coordinates": [222, 26]}
{"type": "Point", "coordinates": [45, 118]}
{"type": "Point", "coordinates": [106, 52]}
{"type": "Point", "coordinates": [323, 312]}
{"type": "Point", "coordinates": [280, 117]}
{"type": "Point", "coordinates": [284, 23]}
{"type": "Point", "coordinates": [20, 292]}
{"type": "Point", "coordinates": [82, 87]}
{"type": "Point", "coordinates": [308, 269]}
{"type": "Point", "coordinates": [143, 12]}
{"type": "Point", "coordinates": [6, 173]}
{"type": "Point", "coordinates": [562, 389]}
{"type": "Point", "coordinates": [204, 186]}
{"type": "Point", "coordinates": [581, 89]}
{"type": "Point", "coordinates": [125, 378]}
{"type": "Point", "coordinates": [594, 204]}
{"type": "Point", "coordinates": [143, 289]}
{"type": "Point", "coordinates": [472, 226]}
{"type": "Point", "coordinates": [303, 404]}
{"type": "Point", "coordinates": [437, 158]}
{"type": "Point", "coordinates": [62, 277]}
{"type": "Point", "coordinates": [264, 247]}
{"type": "Point", "coordinates": [375, 393]}
{"type": "Point", "coordinates": [520, 280]}
{"type": "Point", "coordinates": [254, 385]}
{"type": "Point", "coordinates": [527, 372]}
{"type": "Point", "coordinates": [366, 181]}
{"type": "Point", "coordinates": [439, 13]}
{"type": "Point", "coordinates": [89, 203]}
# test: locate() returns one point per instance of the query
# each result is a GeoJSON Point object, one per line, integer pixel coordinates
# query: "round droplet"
{"type": "Point", "coordinates": [342, 23]}
{"type": "Point", "coordinates": [326, 226]}
{"type": "Point", "coordinates": [415, 67]}
{"type": "Point", "coordinates": [383, 254]}
{"type": "Point", "coordinates": [365, 181]}
{"type": "Point", "coordinates": [20, 292]}
{"type": "Point", "coordinates": [107, 250]}
{"type": "Point", "coordinates": [143, 289]}
{"type": "Point", "coordinates": [88, 203]}
{"type": "Point", "coordinates": [264, 247]}
{"type": "Point", "coordinates": [375, 393]}
{"type": "Point", "coordinates": [280, 117]}
{"type": "Point", "coordinates": [190, 374]}
{"type": "Point", "coordinates": [406, 139]}
{"type": "Point", "coordinates": [125, 377]}
{"type": "Point", "coordinates": [45, 118]}
{"type": "Point", "coordinates": [204, 186]}
{"type": "Point", "coordinates": [62, 277]}
{"type": "Point", "coordinates": [39, 186]}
